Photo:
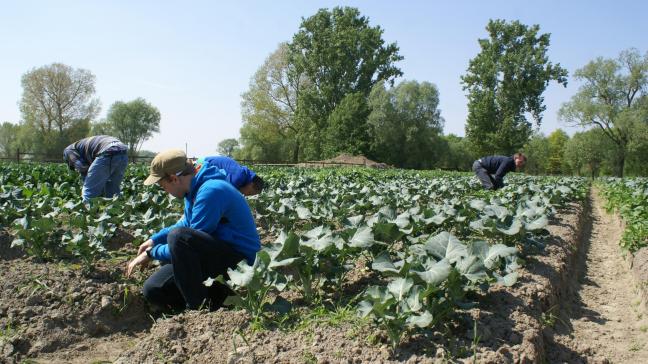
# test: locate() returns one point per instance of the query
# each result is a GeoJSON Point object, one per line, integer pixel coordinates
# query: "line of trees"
{"type": "Point", "coordinates": [331, 90]}
{"type": "Point", "coordinates": [612, 103]}
{"type": "Point", "coordinates": [58, 107]}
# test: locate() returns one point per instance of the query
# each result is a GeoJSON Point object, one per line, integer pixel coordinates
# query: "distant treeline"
{"type": "Point", "coordinates": [331, 90]}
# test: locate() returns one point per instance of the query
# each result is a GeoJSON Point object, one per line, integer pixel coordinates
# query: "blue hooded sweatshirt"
{"type": "Point", "coordinates": [214, 206]}
{"type": "Point", "coordinates": [237, 174]}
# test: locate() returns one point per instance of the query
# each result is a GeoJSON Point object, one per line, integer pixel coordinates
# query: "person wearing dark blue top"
{"type": "Point", "coordinates": [101, 160]}
{"type": "Point", "coordinates": [244, 179]}
{"type": "Point", "coordinates": [216, 232]}
{"type": "Point", "coordinates": [492, 169]}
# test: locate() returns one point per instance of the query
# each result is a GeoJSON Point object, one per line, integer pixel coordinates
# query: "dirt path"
{"type": "Point", "coordinates": [601, 320]}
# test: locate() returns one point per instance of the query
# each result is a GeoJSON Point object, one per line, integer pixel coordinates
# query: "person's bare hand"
{"type": "Point", "coordinates": [145, 245]}
{"type": "Point", "coordinates": [142, 260]}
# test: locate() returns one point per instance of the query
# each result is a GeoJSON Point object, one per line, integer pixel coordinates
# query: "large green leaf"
{"type": "Point", "coordinates": [445, 246]}
{"type": "Point", "coordinates": [383, 263]}
{"type": "Point", "coordinates": [400, 287]}
{"type": "Point", "coordinates": [497, 252]}
{"type": "Point", "coordinates": [363, 238]}
{"type": "Point", "coordinates": [436, 274]}
{"type": "Point", "coordinates": [514, 229]}
{"type": "Point", "coordinates": [423, 320]}
{"type": "Point", "coordinates": [303, 212]}
{"type": "Point", "coordinates": [539, 223]}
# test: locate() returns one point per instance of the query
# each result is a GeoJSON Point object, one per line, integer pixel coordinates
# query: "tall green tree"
{"type": "Point", "coordinates": [636, 161]}
{"type": "Point", "coordinates": [133, 122]}
{"type": "Point", "coordinates": [587, 152]}
{"type": "Point", "coordinates": [405, 124]}
{"type": "Point", "coordinates": [455, 154]}
{"type": "Point", "coordinates": [228, 147]}
{"type": "Point", "coordinates": [348, 131]}
{"type": "Point", "coordinates": [612, 97]}
{"type": "Point", "coordinates": [58, 104]}
{"type": "Point", "coordinates": [271, 130]}
{"type": "Point", "coordinates": [557, 140]}
{"type": "Point", "coordinates": [538, 154]}
{"type": "Point", "coordinates": [8, 139]}
{"type": "Point", "coordinates": [505, 82]}
{"type": "Point", "coordinates": [338, 53]}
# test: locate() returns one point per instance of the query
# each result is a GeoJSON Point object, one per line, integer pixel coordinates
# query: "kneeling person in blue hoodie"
{"type": "Point", "coordinates": [243, 178]}
{"type": "Point", "coordinates": [216, 232]}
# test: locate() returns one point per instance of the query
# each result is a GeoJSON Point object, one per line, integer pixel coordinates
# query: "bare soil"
{"type": "Point", "coordinates": [601, 319]}
{"type": "Point", "coordinates": [575, 301]}
{"type": "Point", "coordinates": [345, 160]}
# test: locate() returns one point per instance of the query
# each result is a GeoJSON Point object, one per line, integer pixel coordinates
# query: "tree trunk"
{"type": "Point", "coordinates": [295, 156]}
{"type": "Point", "coordinates": [621, 164]}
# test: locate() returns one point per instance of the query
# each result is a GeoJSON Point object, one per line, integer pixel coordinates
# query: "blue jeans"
{"type": "Point", "coordinates": [104, 176]}
{"type": "Point", "coordinates": [487, 181]}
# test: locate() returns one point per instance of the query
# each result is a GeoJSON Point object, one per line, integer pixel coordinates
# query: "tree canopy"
{"type": "Point", "coordinates": [270, 129]}
{"type": "Point", "coordinates": [338, 53]}
{"type": "Point", "coordinates": [405, 123]}
{"type": "Point", "coordinates": [614, 98]}
{"type": "Point", "coordinates": [132, 122]}
{"type": "Point", "coordinates": [8, 139]}
{"type": "Point", "coordinates": [227, 147]}
{"type": "Point", "coordinates": [58, 105]}
{"type": "Point", "coordinates": [505, 83]}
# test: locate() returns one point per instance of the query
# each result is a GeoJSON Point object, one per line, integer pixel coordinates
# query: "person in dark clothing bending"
{"type": "Point", "coordinates": [492, 169]}
{"type": "Point", "coordinates": [101, 160]}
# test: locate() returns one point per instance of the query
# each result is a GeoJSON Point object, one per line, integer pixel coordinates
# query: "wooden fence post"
{"type": "Point", "coordinates": [18, 155]}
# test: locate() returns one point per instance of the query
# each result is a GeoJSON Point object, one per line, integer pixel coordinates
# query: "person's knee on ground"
{"type": "Point", "coordinates": [218, 293]}
{"type": "Point", "coordinates": [152, 293]}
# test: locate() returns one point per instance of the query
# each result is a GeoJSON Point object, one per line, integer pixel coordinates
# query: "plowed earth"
{"type": "Point", "coordinates": [575, 301]}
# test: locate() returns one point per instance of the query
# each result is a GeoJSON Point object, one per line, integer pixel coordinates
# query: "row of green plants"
{"type": "Point", "coordinates": [422, 243]}
{"type": "Point", "coordinates": [629, 198]}
{"type": "Point", "coordinates": [428, 240]}
{"type": "Point", "coordinates": [42, 209]}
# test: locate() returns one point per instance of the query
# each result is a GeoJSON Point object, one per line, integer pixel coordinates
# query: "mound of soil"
{"type": "Point", "coordinates": [345, 160]}
{"type": "Point", "coordinates": [6, 251]}
{"type": "Point", "coordinates": [47, 307]}
{"type": "Point", "coordinates": [640, 272]}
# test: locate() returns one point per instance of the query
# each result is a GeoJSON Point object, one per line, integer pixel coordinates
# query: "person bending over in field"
{"type": "Point", "coordinates": [241, 177]}
{"type": "Point", "coordinates": [101, 160]}
{"type": "Point", "coordinates": [492, 169]}
{"type": "Point", "coordinates": [216, 232]}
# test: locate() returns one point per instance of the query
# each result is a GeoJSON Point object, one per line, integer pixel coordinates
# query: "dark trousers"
{"type": "Point", "coordinates": [195, 256]}
{"type": "Point", "coordinates": [483, 175]}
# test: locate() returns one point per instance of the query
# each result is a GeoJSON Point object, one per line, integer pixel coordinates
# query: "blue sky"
{"type": "Point", "coordinates": [193, 59]}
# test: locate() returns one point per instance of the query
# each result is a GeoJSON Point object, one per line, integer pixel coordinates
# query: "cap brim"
{"type": "Point", "coordinates": [151, 179]}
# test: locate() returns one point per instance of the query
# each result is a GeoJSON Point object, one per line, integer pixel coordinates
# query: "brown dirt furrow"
{"type": "Point", "coordinates": [601, 320]}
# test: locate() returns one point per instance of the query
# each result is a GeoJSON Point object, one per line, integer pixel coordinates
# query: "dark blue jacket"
{"type": "Point", "coordinates": [81, 154]}
{"type": "Point", "coordinates": [237, 174]}
{"type": "Point", "coordinates": [214, 206]}
{"type": "Point", "coordinates": [498, 166]}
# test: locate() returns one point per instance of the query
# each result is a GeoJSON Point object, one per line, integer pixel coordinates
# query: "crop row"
{"type": "Point", "coordinates": [629, 197]}
{"type": "Point", "coordinates": [424, 240]}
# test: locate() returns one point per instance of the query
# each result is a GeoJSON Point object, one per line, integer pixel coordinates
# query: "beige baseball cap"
{"type": "Point", "coordinates": [166, 163]}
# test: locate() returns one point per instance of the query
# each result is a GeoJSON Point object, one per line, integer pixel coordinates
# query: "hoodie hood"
{"type": "Point", "coordinates": [204, 173]}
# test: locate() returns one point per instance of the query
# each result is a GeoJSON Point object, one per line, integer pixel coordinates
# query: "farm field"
{"type": "Point", "coordinates": [357, 265]}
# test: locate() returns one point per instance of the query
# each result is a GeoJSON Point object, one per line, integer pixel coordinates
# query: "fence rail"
{"type": "Point", "coordinates": [22, 156]}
